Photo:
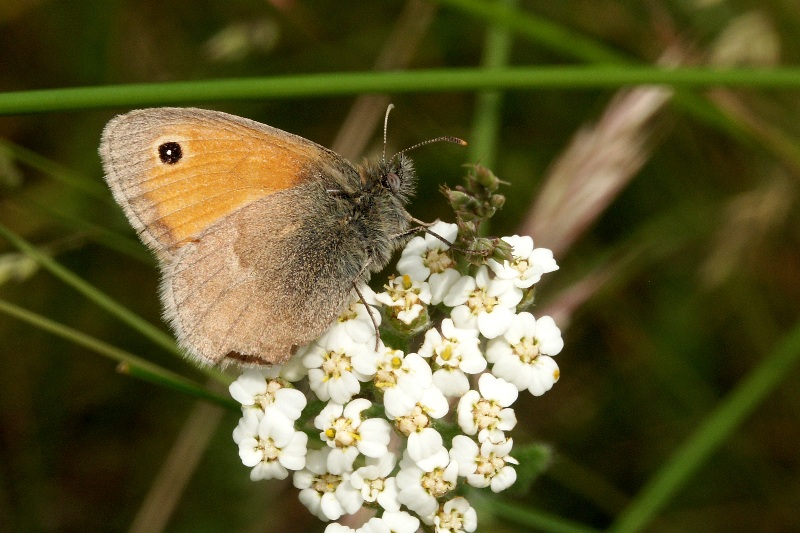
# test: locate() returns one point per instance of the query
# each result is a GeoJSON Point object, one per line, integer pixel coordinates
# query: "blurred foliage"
{"type": "Point", "coordinates": [700, 253]}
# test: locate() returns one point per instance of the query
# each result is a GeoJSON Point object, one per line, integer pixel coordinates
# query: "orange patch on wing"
{"type": "Point", "coordinates": [220, 171]}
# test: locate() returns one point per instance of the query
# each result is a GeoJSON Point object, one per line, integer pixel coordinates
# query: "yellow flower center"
{"type": "Point", "coordinates": [521, 265]}
{"type": "Point", "coordinates": [268, 397]}
{"type": "Point", "coordinates": [438, 261]}
{"type": "Point", "coordinates": [386, 376]}
{"type": "Point", "coordinates": [335, 363]}
{"type": "Point", "coordinates": [326, 483]}
{"type": "Point", "coordinates": [447, 352]}
{"type": "Point", "coordinates": [527, 349]}
{"type": "Point", "coordinates": [349, 313]}
{"type": "Point", "coordinates": [434, 483]}
{"type": "Point", "coordinates": [271, 452]}
{"type": "Point", "coordinates": [489, 467]}
{"type": "Point", "coordinates": [452, 521]}
{"type": "Point", "coordinates": [342, 433]}
{"type": "Point", "coordinates": [479, 301]}
{"type": "Point", "coordinates": [486, 413]}
{"type": "Point", "coordinates": [375, 487]}
{"type": "Point", "coordinates": [416, 421]}
{"type": "Point", "coordinates": [403, 293]}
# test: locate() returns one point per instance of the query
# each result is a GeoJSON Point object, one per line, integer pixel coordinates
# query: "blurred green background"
{"type": "Point", "coordinates": [677, 237]}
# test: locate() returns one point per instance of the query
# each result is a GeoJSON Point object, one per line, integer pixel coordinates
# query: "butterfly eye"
{"type": "Point", "coordinates": [170, 153]}
{"type": "Point", "coordinates": [393, 181]}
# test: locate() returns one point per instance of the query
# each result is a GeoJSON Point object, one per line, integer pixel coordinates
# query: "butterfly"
{"type": "Point", "coordinates": [261, 235]}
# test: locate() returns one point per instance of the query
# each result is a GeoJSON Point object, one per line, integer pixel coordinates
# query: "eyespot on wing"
{"type": "Point", "coordinates": [178, 171]}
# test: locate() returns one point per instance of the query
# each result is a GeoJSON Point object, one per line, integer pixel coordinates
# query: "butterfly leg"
{"type": "Point", "coordinates": [369, 312]}
{"type": "Point", "coordinates": [423, 226]}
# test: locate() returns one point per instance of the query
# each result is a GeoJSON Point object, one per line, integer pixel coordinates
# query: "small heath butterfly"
{"type": "Point", "coordinates": [261, 235]}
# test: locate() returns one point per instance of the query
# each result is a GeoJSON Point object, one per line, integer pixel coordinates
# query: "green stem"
{"type": "Point", "coordinates": [100, 298]}
{"type": "Point", "coordinates": [718, 427]}
{"type": "Point", "coordinates": [541, 30]}
{"type": "Point", "coordinates": [100, 234]}
{"type": "Point", "coordinates": [488, 106]}
{"type": "Point", "coordinates": [535, 519]}
{"type": "Point", "coordinates": [338, 84]}
{"type": "Point", "coordinates": [128, 363]}
{"type": "Point", "coordinates": [575, 45]}
{"type": "Point", "coordinates": [103, 300]}
{"type": "Point", "coordinates": [36, 161]}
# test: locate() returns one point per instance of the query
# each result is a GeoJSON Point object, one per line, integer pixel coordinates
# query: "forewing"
{"type": "Point", "coordinates": [226, 162]}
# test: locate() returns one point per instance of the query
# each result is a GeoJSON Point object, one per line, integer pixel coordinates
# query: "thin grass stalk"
{"type": "Point", "coordinates": [128, 362]}
{"type": "Point", "coordinates": [484, 135]}
{"type": "Point", "coordinates": [577, 46]}
{"type": "Point", "coordinates": [432, 80]}
{"type": "Point", "coordinates": [103, 300]}
{"type": "Point", "coordinates": [711, 434]}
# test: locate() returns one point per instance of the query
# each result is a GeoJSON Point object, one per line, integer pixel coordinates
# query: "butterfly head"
{"type": "Point", "coordinates": [395, 177]}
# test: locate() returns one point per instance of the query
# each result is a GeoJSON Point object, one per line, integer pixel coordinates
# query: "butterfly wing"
{"type": "Point", "coordinates": [271, 278]}
{"type": "Point", "coordinates": [177, 171]}
{"type": "Point", "coordinates": [256, 254]}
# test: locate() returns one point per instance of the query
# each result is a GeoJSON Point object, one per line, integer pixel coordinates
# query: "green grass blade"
{"type": "Point", "coordinates": [711, 434]}
{"type": "Point", "coordinates": [576, 46]}
{"type": "Point", "coordinates": [340, 84]}
{"type": "Point", "coordinates": [103, 300]}
{"type": "Point", "coordinates": [100, 298]}
{"type": "Point", "coordinates": [535, 519]}
{"type": "Point", "coordinates": [128, 363]}
{"type": "Point", "coordinates": [488, 107]}
{"type": "Point", "coordinates": [93, 189]}
{"type": "Point", "coordinates": [553, 36]}
{"type": "Point", "coordinates": [99, 234]}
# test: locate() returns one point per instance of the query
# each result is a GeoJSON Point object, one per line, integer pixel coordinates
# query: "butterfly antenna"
{"type": "Point", "coordinates": [385, 128]}
{"type": "Point", "coordinates": [446, 138]}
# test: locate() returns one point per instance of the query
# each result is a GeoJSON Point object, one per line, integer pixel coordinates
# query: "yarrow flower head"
{"type": "Point", "coordinates": [389, 522]}
{"type": "Point", "coordinates": [485, 464]}
{"type": "Point", "coordinates": [527, 265]}
{"type": "Point", "coordinates": [401, 378]}
{"type": "Point", "coordinates": [406, 299]}
{"type": "Point", "coordinates": [348, 434]}
{"type": "Point", "coordinates": [488, 412]}
{"type": "Point", "coordinates": [375, 482]}
{"type": "Point", "coordinates": [426, 258]}
{"type": "Point", "coordinates": [253, 390]}
{"type": "Point", "coordinates": [327, 495]}
{"type": "Point", "coordinates": [523, 355]}
{"type": "Point", "coordinates": [456, 516]}
{"type": "Point", "coordinates": [400, 420]}
{"type": "Point", "coordinates": [456, 353]}
{"type": "Point", "coordinates": [356, 322]}
{"type": "Point", "coordinates": [337, 365]}
{"type": "Point", "coordinates": [416, 424]}
{"type": "Point", "coordinates": [483, 303]}
{"type": "Point", "coordinates": [272, 449]}
{"type": "Point", "coordinates": [420, 489]}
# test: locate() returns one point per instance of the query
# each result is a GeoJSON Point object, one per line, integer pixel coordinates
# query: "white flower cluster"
{"type": "Point", "coordinates": [380, 443]}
